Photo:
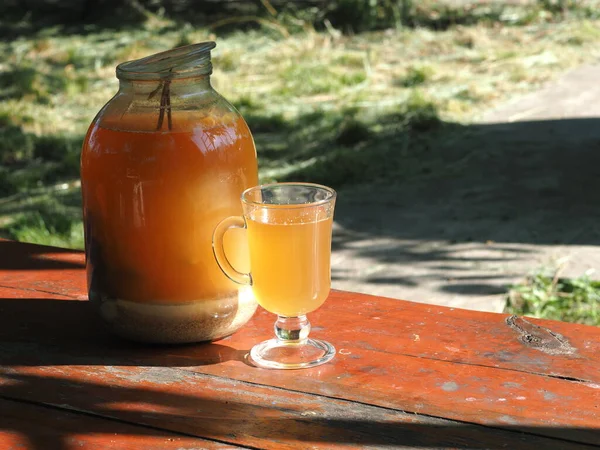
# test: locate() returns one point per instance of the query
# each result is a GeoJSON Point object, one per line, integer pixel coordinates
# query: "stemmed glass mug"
{"type": "Point", "coordinates": [289, 228]}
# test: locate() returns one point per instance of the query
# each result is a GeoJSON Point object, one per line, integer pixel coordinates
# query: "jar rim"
{"type": "Point", "coordinates": [181, 62]}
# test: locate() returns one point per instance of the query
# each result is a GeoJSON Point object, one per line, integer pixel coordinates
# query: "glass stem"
{"type": "Point", "coordinates": [292, 330]}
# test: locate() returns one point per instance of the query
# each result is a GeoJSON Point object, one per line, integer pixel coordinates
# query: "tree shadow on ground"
{"type": "Point", "coordinates": [427, 195]}
{"type": "Point", "coordinates": [510, 185]}
{"type": "Point", "coordinates": [526, 182]}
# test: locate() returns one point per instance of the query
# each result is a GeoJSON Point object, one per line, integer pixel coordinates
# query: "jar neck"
{"type": "Point", "coordinates": [154, 89]}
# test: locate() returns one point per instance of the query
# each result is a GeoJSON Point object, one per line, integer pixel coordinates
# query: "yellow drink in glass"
{"type": "Point", "coordinates": [289, 229]}
{"type": "Point", "coordinates": [290, 263]}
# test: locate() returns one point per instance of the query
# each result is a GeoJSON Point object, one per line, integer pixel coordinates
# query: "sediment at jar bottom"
{"type": "Point", "coordinates": [203, 320]}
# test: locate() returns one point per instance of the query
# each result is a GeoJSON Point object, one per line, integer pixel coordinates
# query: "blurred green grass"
{"type": "Point", "coordinates": [337, 96]}
{"type": "Point", "coordinates": [546, 295]}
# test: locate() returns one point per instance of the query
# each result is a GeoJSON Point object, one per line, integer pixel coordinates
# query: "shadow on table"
{"type": "Point", "coordinates": [266, 418]}
{"type": "Point", "coordinates": [22, 256]}
{"type": "Point", "coordinates": [163, 397]}
{"type": "Point", "coordinates": [44, 332]}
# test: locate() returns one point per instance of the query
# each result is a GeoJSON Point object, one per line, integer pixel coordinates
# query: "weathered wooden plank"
{"type": "Point", "coordinates": [457, 364]}
{"type": "Point", "coordinates": [66, 334]}
{"type": "Point", "coordinates": [473, 394]}
{"type": "Point", "coordinates": [247, 414]}
{"type": "Point", "coordinates": [464, 336]}
{"type": "Point", "coordinates": [11, 293]}
{"type": "Point", "coordinates": [445, 334]}
{"type": "Point", "coordinates": [371, 368]}
{"type": "Point", "coordinates": [42, 269]}
{"type": "Point", "coordinates": [391, 326]}
{"type": "Point", "coordinates": [33, 427]}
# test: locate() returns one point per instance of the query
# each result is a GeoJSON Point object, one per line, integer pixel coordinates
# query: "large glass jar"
{"type": "Point", "coordinates": [163, 162]}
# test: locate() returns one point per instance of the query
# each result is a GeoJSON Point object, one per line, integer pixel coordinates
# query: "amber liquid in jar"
{"type": "Point", "coordinates": [151, 202]}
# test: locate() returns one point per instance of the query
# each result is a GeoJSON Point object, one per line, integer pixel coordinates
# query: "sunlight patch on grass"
{"type": "Point", "coordinates": [65, 79]}
{"type": "Point", "coordinates": [36, 228]}
{"type": "Point", "coordinates": [322, 105]}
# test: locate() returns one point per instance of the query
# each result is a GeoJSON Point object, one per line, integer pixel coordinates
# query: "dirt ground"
{"type": "Point", "coordinates": [520, 190]}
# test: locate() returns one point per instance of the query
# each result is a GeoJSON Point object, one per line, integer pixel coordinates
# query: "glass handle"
{"type": "Point", "coordinates": [219, 249]}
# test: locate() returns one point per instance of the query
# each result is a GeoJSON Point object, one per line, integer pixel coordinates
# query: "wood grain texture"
{"type": "Point", "coordinates": [32, 427]}
{"type": "Point", "coordinates": [38, 268]}
{"type": "Point", "coordinates": [458, 335]}
{"type": "Point", "coordinates": [448, 363]}
{"type": "Point", "coordinates": [247, 414]}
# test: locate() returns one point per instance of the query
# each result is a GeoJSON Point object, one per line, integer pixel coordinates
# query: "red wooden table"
{"type": "Point", "coordinates": [406, 375]}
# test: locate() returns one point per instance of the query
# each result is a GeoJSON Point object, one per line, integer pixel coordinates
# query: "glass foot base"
{"type": "Point", "coordinates": [279, 354]}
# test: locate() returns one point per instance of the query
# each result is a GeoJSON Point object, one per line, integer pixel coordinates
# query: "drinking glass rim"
{"type": "Point", "coordinates": [332, 196]}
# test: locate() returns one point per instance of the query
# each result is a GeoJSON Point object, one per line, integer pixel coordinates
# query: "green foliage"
{"type": "Point", "coordinates": [322, 106]}
{"type": "Point", "coordinates": [309, 78]}
{"type": "Point", "coordinates": [350, 60]}
{"type": "Point", "coordinates": [224, 62]}
{"type": "Point", "coordinates": [6, 185]}
{"type": "Point", "coordinates": [415, 76]}
{"type": "Point", "coordinates": [24, 177]}
{"type": "Point", "coordinates": [15, 146]}
{"type": "Point", "coordinates": [571, 300]}
{"type": "Point", "coordinates": [27, 81]}
{"type": "Point", "coordinates": [468, 95]}
{"type": "Point", "coordinates": [351, 16]}
{"type": "Point", "coordinates": [419, 113]}
{"type": "Point", "coordinates": [19, 81]}
{"type": "Point", "coordinates": [63, 151]}
{"type": "Point", "coordinates": [557, 9]}
{"type": "Point", "coordinates": [585, 33]}
{"type": "Point", "coordinates": [261, 122]}
{"type": "Point", "coordinates": [557, 6]}
{"type": "Point", "coordinates": [352, 147]}
{"type": "Point", "coordinates": [352, 132]}
{"type": "Point", "coordinates": [29, 161]}
{"type": "Point", "coordinates": [51, 224]}
{"type": "Point", "coordinates": [362, 15]}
